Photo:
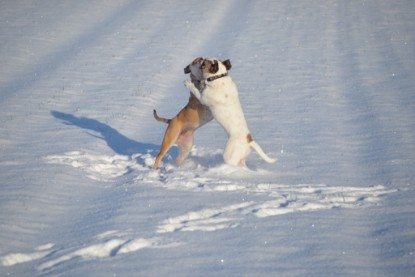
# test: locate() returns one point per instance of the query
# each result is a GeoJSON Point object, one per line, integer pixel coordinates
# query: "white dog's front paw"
{"type": "Point", "coordinates": [189, 84]}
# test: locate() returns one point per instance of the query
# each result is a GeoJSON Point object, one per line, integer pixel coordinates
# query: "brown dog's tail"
{"type": "Point", "coordinates": [161, 119]}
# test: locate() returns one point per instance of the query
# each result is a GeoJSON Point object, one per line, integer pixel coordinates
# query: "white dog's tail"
{"type": "Point", "coordinates": [259, 150]}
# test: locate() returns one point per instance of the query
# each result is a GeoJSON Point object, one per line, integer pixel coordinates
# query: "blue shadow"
{"type": "Point", "coordinates": [119, 143]}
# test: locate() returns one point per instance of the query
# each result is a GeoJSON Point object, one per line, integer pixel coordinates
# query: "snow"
{"type": "Point", "coordinates": [327, 87]}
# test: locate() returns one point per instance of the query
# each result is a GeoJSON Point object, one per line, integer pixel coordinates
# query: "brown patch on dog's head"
{"type": "Point", "coordinates": [210, 66]}
{"type": "Point", "coordinates": [249, 138]}
{"type": "Point", "coordinates": [195, 61]}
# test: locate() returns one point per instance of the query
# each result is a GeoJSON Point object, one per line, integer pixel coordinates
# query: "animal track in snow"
{"type": "Point", "coordinates": [279, 199]}
{"type": "Point", "coordinates": [107, 244]}
{"type": "Point", "coordinates": [205, 220]}
{"type": "Point", "coordinates": [300, 198]}
{"type": "Point", "coordinates": [284, 199]}
{"type": "Point", "coordinates": [221, 178]}
{"type": "Point", "coordinates": [96, 167]}
{"type": "Point", "coordinates": [17, 258]}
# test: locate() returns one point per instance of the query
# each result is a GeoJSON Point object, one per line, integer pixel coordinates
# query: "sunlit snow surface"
{"type": "Point", "coordinates": [327, 88]}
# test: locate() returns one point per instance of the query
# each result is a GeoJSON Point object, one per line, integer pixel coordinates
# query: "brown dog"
{"type": "Point", "coordinates": [182, 127]}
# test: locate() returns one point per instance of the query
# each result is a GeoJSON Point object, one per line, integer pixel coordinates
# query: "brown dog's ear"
{"type": "Point", "coordinates": [197, 60]}
{"type": "Point", "coordinates": [227, 64]}
{"type": "Point", "coordinates": [187, 69]}
{"type": "Point", "coordinates": [214, 67]}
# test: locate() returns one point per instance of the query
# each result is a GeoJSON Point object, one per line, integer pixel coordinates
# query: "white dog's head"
{"type": "Point", "coordinates": [213, 68]}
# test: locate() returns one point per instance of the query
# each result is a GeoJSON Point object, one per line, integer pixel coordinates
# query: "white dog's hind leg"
{"type": "Point", "coordinates": [235, 152]}
{"type": "Point", "coordinates": [242, 163]}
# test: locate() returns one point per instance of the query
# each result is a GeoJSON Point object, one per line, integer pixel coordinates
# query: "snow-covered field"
{"type": "Point", "coordinates": [327, 87]}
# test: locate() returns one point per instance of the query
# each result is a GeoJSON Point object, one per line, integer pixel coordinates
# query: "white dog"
{"type": "Point", "coordinates": [220, 94]}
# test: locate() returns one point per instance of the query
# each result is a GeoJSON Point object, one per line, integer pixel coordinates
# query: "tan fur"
{"type": "Point", "coordinates": [181, 128]}
{"type": "Point", "coordinates": [160, 119]}
{"type": "Point", "coordinates": [249, 138]}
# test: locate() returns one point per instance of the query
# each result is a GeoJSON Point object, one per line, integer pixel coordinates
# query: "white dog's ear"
{"type": "Point", "coordinates": [227, 64]}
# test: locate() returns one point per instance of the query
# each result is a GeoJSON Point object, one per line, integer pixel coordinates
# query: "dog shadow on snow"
{"type": "Point", "coordinates": [118, 142]}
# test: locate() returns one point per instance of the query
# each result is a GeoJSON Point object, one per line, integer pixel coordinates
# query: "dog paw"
{"type": "Point", "coordinates": [188, 84]}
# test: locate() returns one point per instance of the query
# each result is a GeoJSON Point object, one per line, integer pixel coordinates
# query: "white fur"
{"type": "Point", "coordinates": [221, 96]}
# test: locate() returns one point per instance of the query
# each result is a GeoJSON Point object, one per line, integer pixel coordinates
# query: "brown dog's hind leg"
{"type": "Point", "coordinates": [185, 142]}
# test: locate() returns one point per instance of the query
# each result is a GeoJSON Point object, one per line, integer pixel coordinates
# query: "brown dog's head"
{"type": "Point", "coordinates": [212, 66]}
{"type": "Point", "coordinates": [194, 69]}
